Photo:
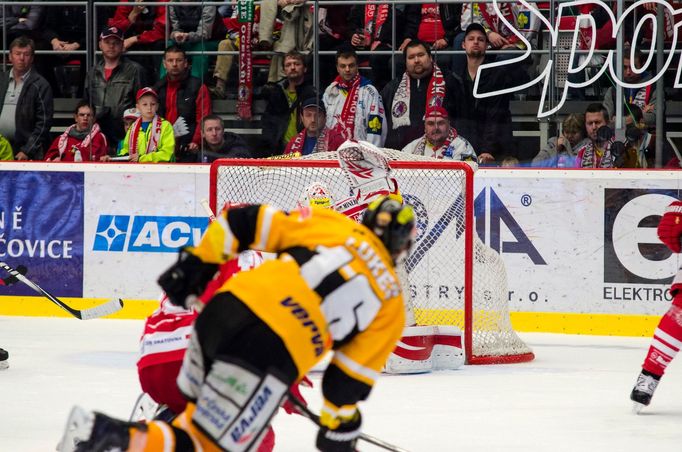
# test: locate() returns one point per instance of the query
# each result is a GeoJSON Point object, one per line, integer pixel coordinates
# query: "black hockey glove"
{"type": "Point", "coordinates": [342, 438]}
{"type": "Point", "coordinates": [188, 276]}
{"type": "Point", "coordinates": [11, 279]}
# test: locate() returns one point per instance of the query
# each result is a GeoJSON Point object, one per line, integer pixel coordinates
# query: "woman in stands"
{"type": "Point", "coordinates": [82, 141]}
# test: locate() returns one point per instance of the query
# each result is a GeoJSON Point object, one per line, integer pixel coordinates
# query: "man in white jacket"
{"type": "Point", "coordinates": [440, 139]}
{"type": "Point", "coordinates": [354, 107]}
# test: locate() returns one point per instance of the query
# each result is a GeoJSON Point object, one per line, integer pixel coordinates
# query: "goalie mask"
{"type": "Point", "coordinates": [316, 194]}
{"type": "Point", "coordinates": [393, 223]}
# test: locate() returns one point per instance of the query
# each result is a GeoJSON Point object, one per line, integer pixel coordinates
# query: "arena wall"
{"type": "Point", "coordinates": [580, 247]}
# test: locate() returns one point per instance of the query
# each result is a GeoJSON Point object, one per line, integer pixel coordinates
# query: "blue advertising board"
{"type": "Point", "coordinates": [41, 227]}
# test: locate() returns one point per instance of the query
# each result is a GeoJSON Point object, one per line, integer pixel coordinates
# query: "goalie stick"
{"type": "Point", "coordinates": [305, 411]}
{"type": "Point", "coordinates": [107, 308]}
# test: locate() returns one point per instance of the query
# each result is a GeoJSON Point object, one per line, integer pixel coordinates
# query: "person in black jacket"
{"type": "Point", "coordinates": [27, 104]}
{"type": "Point", "coordinates": [437, 24]}
{"type": "Point", "coordinates": [370, 27]}
{"type": "Point", "coordinates": [486, 122]}
{"type": "Point", "coordinates": [281, 120]}
{"type": "Point", "coordinates": [408, 95]}
{"type": "Point", "coordinates": [219, 143]}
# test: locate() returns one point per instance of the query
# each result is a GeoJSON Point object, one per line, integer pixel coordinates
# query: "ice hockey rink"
{"type": "Point", "coordinates": [573, 397]}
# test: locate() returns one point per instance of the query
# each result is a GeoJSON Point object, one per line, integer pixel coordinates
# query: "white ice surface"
{"type": "Point", "coordinates": [573, 397]}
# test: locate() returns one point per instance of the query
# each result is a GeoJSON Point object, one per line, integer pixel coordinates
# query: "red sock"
{"type": "Point", "coordinates": [667, 340]}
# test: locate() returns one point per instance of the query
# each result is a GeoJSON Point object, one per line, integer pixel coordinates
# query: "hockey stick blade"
{"type": "Point", "coordinates": [305, 411]}
{"type": "Point", "coordinates": [107, 308]}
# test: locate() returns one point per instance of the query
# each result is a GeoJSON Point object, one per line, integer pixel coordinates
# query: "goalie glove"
{"type": "Point", "coordinates": [338, 433]}
{"type": "Point", "coordinates": [186, 279]}
{"type": "Point", "coordinates": [670, 227]}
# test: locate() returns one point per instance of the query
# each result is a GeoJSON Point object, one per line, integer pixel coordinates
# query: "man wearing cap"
{"type": "Point", "coordinates": [184, 101]}
{"type": "Point", "coordinates": [27, 104]}
{"type": "Point", "coordinates": [313, 137]}
{"type": "Point", "coordinates": [150, 138]}
{"type": "Point", "coordinates": [354, 107]}
{"type": "Point", "coordinates": [407, 96]}
{"type": "Point", "coordinates": [440, 140]}
{"type": "Point", "coordinates": [111, 85]}
{"type": "Point", "coordinates": [486, 122]}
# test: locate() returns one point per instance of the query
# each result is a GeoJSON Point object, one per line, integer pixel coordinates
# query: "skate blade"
{"type": "Point", "coordinates": [637, 407]}
{"type": "Point", "coordinates": [78, 428]}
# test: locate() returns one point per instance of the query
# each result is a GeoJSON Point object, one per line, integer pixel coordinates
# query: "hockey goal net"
{"type": "Point", "coordinates": [450, 276]}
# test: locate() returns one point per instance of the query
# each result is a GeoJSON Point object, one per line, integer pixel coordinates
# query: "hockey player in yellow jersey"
{"type": "Point", "coordinates": [332, 287]}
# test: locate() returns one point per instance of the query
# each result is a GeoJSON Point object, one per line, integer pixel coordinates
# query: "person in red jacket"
{"type": "Point", "coordinates": [82, 141]}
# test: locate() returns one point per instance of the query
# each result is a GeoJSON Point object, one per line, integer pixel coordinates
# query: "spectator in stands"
{"type": "Point", "coordinates": [19, 19]}
{"type": "Point", "coordinates": [6, 152]}
{"type": "Point", "coordinates": [27, 107]}
{"type": "Point", "coordinates": [150, 138]}
{"type": "Point", "coordinates": [196, 29]}
{"type": "Point", "coordinates": [560, 151]}
{"type": "Point", "coordinates": [82, 141]}
{"type": "Point", "coordinates": [440, 139]}
{"type": "Point", "coordinates": [354, 107]}
{"type": "Point", "coordinates": [281, 120]}
{"type": "Point", "coordinates": [112, 83]}
{"type": "Point", "coordinates": [407, 96]}
{"type": "Point", "coordinates": [595, 152]}
{"type": "Point", "coordinates": [486, 122]}
{"type": "Point", "coordinates": [63, 33]}
{"type": "Point", "coordinates": [436, 24]}
{"type": "Point", "coordinates": [219, 143]}
{"type": "Point", "coordinates": [644, 98]}
{"type": "Point", "coordinates": [296, 33]}
{"type": "Point", "coordinates": [183, 100]}
{"type": "Point", "coordinates": [334, 30]}
{"type": "Point", "coordinates": [371, 28]}
{"type": "Point", "coordinates": [313, 137]}
{"type": "Point", "coordinates": [129, 117]}
{"type": "Point", "coordinates": [500, 36]}
{"type": "Point", "coordinates": [144, 28]}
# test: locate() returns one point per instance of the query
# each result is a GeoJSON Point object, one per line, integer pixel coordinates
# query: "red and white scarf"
{"type": "Point", "coordinates": [375, 17]}
{"type": "Point", "coordinates": [435, 97]}
{"type": "Point", "coordinates": [153, 137]}
{"type": "Point", "coordinates": [344, 129]}
{"type": "Point", "coordinates": [296, 145]}
{"type": "Point", "coordinates": [439, 152]}
{"type": "Point", "coordinates": [493, 20]}
{"type": "Point", "coordinates": [83, 145]}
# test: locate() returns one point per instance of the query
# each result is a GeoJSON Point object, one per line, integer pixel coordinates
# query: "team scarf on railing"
{"type": "Point", "coordinates": [154, 136]}
{"type": "Point", "coordinates": [375, 17]}
{"type": "Point", "coordinates": [345, 126]}
{"type": "Point", "coordinates": [245, 86]}
{"type": "Point", "coordinates": [435, 97]}
{"type": "Point", "coordinates": [439, 152]}
{"type": "Point", "coordinates": [83, 145]}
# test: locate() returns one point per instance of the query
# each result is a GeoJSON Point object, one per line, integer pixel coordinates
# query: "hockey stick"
{"type": "Point", "coordinates": [305, 411]}
{"type": "Point", "coordinates": [98, 311]}
{"type": "Point", "coordinates": [211, 216]}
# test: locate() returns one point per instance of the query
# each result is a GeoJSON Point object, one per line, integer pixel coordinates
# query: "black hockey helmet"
{"type": "Point", "coordinates": [393, 223]}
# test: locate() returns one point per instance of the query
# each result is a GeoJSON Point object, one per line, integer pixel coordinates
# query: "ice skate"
{"type": "Point", "coordinates": [644, 390]}
{"type": "Point", "coordinates": [4, 359]}
{"type": "Point", "coordinates": [78, 429]}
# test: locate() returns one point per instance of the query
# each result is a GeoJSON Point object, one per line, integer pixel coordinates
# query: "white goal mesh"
{"type": "Point", "coordinates": [437, 270]}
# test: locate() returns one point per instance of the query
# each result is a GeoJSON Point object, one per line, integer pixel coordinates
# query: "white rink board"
{"type": "Point", "coordinates": [580, 241]}
{"type": "Point", "coordinates": [572, 241]}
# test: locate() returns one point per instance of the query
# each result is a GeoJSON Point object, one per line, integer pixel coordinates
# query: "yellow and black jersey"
{"type": "Point", "coordinates": [333, 286]}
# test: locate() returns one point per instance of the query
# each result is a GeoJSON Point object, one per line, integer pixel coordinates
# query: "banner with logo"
{"type": "Point", "coordinates": [41, 228]}
{"type": "Point", "coordinates": [585, 243]}
{"type": "Point", "coordinates": [136, 221]}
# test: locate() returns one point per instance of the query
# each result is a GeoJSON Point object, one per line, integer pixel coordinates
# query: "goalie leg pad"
{"type": "Point", "coordinates": [236, 404]}
{"type": "Point", "coordinates": [426, 348]}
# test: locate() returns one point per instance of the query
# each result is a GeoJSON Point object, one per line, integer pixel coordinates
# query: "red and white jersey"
{"type": "Point", "coordinates": [166, 332]}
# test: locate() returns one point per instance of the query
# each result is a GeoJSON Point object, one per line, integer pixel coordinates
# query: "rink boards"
{"type": "Point", "coordinates": [580, 247]}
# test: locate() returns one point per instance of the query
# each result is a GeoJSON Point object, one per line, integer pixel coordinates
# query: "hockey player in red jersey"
{"type": "Point", "coordinates": [667, 339]}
